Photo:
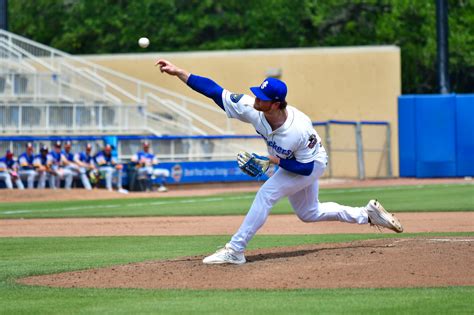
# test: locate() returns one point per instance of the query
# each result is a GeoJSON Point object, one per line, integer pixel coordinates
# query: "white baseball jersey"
{"type": "Point", "coordinates": [296, 138]}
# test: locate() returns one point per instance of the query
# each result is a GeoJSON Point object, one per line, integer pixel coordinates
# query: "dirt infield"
{"type": "Point", "coordinates": [222, 225]}
{"type": "Point", "coordinates": [419, 262]}
{"type": "Point", "coordinates": [205, 189]}
{"type": "Point", "coordinates": [397, 262]}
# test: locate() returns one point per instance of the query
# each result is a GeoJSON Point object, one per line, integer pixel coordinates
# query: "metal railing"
{"type": "Point", "coordinates": [75, 118]}
{"type": "Point", "coordinates": [357, 147]}
{"type": "Point", "coordinates": [75, 72]}
{"type": "Point", "coordinates": [225, 147]}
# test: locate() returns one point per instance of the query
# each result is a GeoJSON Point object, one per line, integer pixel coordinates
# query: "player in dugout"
{"type": "Point", "coordinates": [9, 171]}
{"type": "Point", "coordinates": [108, 167]}
{"type": "Point", "coordinates": [294, 145]}
{"type": "Point", "coordinates": [42, 163]}
{"type": "Point", "coordinates": [59, 169]}
{"type": "Point", "coordinates": [85, 162]}
{"type": "Point", "coordinates": [146, 163]}
{"type": "Point", "coordinates": [27, 169]}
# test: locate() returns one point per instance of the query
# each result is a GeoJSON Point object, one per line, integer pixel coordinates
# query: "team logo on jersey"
{"type": "Point", "coordinates": [312, 141]}
{"type": "Point", "coordinates": [236, 97]}
{"type": "Point", "coordinates": [264, 85]}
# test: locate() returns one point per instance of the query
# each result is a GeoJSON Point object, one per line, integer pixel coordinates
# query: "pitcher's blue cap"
{"type": "Point", "coordinates": [271, 89]}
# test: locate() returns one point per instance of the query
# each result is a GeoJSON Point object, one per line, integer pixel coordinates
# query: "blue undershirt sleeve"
{"type": "Point", "coordinates": [206, 87]}
{"type": "Point", "coordinates": [294, 166]}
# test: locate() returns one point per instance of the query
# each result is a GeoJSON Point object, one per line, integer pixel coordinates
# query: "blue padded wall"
{"type": "Point", "coordinates": [436, 135]}
{"type": "Point", "coordinates": [406, 136]}
{"type": "Point", "coordinates": [465, 134]}
{"type": "Point", "coordinates": [435, 122]}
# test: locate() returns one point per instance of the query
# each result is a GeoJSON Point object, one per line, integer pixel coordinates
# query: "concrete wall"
{"type": "Point", "coordinates": [348, 83]}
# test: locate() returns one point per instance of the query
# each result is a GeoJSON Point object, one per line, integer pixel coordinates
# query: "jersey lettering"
{"type": "Point", "coordinates": [278, 149]}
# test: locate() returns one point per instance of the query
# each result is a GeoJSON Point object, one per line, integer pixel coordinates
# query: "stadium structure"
{"type": "Point", "coordinates": [47, 92]}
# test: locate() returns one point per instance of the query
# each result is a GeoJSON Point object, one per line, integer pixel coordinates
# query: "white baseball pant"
{"type": "Point", "coordinates": [65, 173]}
{"type": "Point", "coordinates": [82, 171]}
{"type": "Point", "coordinates": [30, 176]}
{"type": "Point", "coordinates": [108, 172]}
{"type": "Point", "coordinates": [156, 172]}
{"type": "Point", "coordinates": [5, 177]}
{"type": "Point", "coordinates": [302, 192]}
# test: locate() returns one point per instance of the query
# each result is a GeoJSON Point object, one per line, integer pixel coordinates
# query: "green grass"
{"type": "Point", "coordinates": [454, 197]}
{"type": "Point", "coordinates": [31, 256]}
{"type": "Point", "coordinates": [20, 257]}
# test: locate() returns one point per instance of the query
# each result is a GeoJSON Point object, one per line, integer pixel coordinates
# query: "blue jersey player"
{"type": "Point", "coordinates": [108, 166]}
{"type": "Point", "coordinates": [59, 168]}
{"type": "Point", "coordinates": [43, 166]}
{"type": "Point", "coordinates": [9, 171]}
{"type": "Point", "coordinates": [295, 146]}
{"type": "Point", "coordinates": [85, 163]}
{"type": "Point", "coordinates": [26, 168]}
{"type": "Point", "coordinates": [146, 163]}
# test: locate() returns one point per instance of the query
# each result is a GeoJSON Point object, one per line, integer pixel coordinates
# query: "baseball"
{"type": "Point", "coordinates": [143, 42]}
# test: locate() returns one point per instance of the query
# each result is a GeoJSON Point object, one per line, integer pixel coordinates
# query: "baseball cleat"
{"type": "Point", "coordinates": [225, 255]}
{"type": "Point", "coordinates": [162, 189]}
{"type": "Point", "coordinates": [379, 217]}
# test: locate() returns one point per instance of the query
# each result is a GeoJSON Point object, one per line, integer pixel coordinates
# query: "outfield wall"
{"type": "Point", "coordinates": [348, 83]}
{"type": "Point", "coordinates": [436, 135]}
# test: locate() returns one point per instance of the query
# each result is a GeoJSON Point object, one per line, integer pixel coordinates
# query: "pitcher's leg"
{"type": "Point", "coordinates": [276, 187]}
{"type": "Point", "coordinates": [308, 208]}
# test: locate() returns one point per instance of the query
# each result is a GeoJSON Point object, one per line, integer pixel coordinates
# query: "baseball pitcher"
{"type": "Point", "coordinates": [294, 146]}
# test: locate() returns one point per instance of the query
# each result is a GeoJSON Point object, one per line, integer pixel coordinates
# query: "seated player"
{"type": "Point", "coordinates": [108, 167]}
{"type": "Point", "coordinates": [85, 163]}
{"type": "Point", "coordinates": [27, 169]}
{"type": "Point", "coordinates": [146, 163]}
{"type": "Point", "coordinates": [9, 171]}
{"type": "Point", "coordinates": [42, 164]}
{"type": "Point", "coordinates": [58, 168]}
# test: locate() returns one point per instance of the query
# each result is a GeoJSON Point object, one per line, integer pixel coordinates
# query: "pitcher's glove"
{"type": "Point", "coordinates": [253, 164]}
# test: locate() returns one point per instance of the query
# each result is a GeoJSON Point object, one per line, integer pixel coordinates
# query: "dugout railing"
{"type": "Point", "coordinates": [350, 145]}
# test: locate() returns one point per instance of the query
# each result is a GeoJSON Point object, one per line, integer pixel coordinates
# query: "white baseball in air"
{"type": "Point", "coordinates": [143, 42]}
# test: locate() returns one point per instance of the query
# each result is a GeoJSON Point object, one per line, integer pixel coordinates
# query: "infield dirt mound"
{"type": "Point", "coordinates": [414, 262]}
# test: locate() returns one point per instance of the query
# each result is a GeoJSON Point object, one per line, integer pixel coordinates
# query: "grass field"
{"type": "Point", "coordinates": [455, 197]}
{"type": "Point", "coordinates": [21, 257]}
{"type": "Point", "coordinates": [31, 256]}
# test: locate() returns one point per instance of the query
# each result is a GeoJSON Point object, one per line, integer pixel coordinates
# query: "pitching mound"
{"type": "Point", "coordinates": [418, 262]}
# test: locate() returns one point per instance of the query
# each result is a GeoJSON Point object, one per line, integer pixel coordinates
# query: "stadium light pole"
{"type": "Point", "coordinates": [442, 44]}
{"type": "Point", "coordinates": [4, 15]}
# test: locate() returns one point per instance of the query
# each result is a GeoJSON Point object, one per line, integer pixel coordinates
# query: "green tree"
{"type": "Point", "coordinates": [114, 26]}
